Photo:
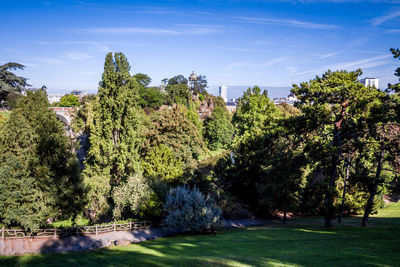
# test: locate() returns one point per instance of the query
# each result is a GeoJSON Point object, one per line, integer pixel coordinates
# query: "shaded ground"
{"type": "Point", "coordinates": [86, 242]}
{"type": "Point", "coordinates": [301, 243]}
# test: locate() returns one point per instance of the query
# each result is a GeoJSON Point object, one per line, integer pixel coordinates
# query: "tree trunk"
{"type": "Point", "coordinates": [284, 217]}
{"type": "Point", "coordinates": [344, 192]}
{"type": "Point", "coordinates": [370, 202]}
{"type": "Point", "coordinates": [329, 195]}
{"type": "Point", "coordinates": [336, 143]}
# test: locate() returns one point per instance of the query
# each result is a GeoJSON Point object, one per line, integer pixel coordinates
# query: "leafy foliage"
{"type": "Point", "coordinates": [115, 135]}
{"type": "Point", "coordinates": [189, 210]}
{"type": "Point", "coordinates": [178, 94]}
{"type": "Point", "coordinates": [162, 163]}
{"type": "Point", "coordinates": [151, 97]}
{"type": "Point", "coordinates": [39, 174]}
{"type": "Point", "coordinates": [218, 130]}
{"type": "Point", "coordinates": [69, 100]}
{"type": "Point", "coordinates": [172, 128]}
{"type": "Point", "coordinates": [9, 82]}
{"type": "Point", "coordinates": [132, 195]}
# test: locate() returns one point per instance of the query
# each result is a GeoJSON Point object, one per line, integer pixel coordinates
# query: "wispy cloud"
{"type": "Point", "coordinates": [179, 29]}
{"type": "Point", "coordinates": [393, 31]}
{"type": "Point", "coordinates": [329, 55]}
{"type": "Point", "coordinates": [50, 61]}
{"type": "Point", "coordinates": [268, 63]}
{"type": "Point", "coordinates": [77, 55]}
{"type": "Point", "coordinates": [291, 69]}
{"type": "Point", "coordinates": [363, 64]}
{"type": "Point", "coordinates": [382, 19]}
{"type": "Point", "coordinates": [289, 23]}
{"type": "Point", "coordinates": [243, 49]}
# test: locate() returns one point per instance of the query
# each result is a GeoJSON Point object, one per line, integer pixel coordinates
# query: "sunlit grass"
{"type": "Point", "coordinates": [272, 245]}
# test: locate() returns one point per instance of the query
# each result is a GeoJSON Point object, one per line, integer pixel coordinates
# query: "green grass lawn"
{"type": "Point", "coordinates": [303, 242]}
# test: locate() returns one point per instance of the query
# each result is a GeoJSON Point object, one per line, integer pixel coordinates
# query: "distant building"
{"type": "Point", "coordinates": [54, 98]}
{"type": "Point", "coordinates": [193, 81]}
{"type": "Point", "coordinates": [290, 99]}
{"type": "Point", "coordinates": [223, 92]}
{"type": "Point", "coordinates": [79, 94]}
{"type": "Point", "coordinates": [370, 82]}
{"type": "Point", "coordinates": [231, 105]}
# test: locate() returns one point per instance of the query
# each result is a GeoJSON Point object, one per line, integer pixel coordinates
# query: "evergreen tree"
{"type": "Point", "coordinates": [328, 105]}
{"type": "Point", "coordinates": [255, 116]}
{"type": "Point", "coordinates": [172, 128]}
{"type": "Point", "coordinates": [39, 174]}
{"type": "Point", "coordinates": [115, 135]}
{"type": "Point", "coordinates": [11, 84]}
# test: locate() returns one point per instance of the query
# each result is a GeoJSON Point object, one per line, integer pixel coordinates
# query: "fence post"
{"type": "Point", "coordinates": [2, 232]}
{"type": "Point", "coordinates": [55, 232]}
{"type": "Point", "coordinates": [96, 229]}
{"type": "Point", "coordinates": [115, 227]}
{"type": "Point", "coordinates": [130, 225]}
{"type": "Point", "coordinates": [144, 223]}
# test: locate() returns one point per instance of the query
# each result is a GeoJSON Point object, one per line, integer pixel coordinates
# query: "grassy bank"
{"type": "Point", "coordinates": [303, 242]}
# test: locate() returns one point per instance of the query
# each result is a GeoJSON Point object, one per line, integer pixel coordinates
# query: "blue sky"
{"type": "Point", "coordinates": [267, 43]}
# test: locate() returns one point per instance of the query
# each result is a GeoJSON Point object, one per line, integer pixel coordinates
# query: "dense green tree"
{"type": "Point", "coordinates": [255, 112]}
{"type": "Point", "coordinates": [151, 97]}
{"type": "Point", "coordinates": [172, 128]}
{"type": "Point", "coordinates": [69, 100]}
{"type": "Point", "coordinates": [192, 115]}
{"type": "Point", "coordinates": [143, 79]}
{"type": "Point", "coordinates": [178, 94]}
{"type": "Point", "coordinates": [161, 163]}
{"type": "Point", "coordinates": [133, 195]}
{"type": "Point", "coordinates": [396, 87]}
{"type": "Point", "coordinates": [327, 103]}
{"type": "Point", "coordinates": [9, 82]}
{"type": "Point", "coordinates": [200, 85]}
{"type": "Point", "coordinates": [178, 79]}
{"type": "Point", "coordinates": [218, 130]}
{"type": "Point", "coordinates": [255, 116]}
{"type": "Point", "coordinates": [39, 173]}
{"type": "Point", "coordinates": [115, 135]}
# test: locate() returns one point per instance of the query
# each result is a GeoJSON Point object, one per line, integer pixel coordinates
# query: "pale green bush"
{"type": "Point", "coordinates": [189, 210]}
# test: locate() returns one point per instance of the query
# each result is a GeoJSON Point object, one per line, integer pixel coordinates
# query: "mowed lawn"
{"type": "Point", "coordinates": [303, 242]}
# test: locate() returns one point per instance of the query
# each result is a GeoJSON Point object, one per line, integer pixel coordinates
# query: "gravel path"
{"type": "Point", "coordinates": [79, 243]}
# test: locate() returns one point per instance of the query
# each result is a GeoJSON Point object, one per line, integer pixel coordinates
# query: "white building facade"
{"type": "Point", "coordinates": [223, 92]}
{"type": "Point", "coordinates": [370, 82]}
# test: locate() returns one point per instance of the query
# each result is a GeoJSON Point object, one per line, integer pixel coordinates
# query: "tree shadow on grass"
{"type": "Point", "coordinates": [284, 245]}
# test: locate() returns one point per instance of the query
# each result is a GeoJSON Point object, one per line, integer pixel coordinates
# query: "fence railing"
{"type": "Point", "coordinates": [78, 230]}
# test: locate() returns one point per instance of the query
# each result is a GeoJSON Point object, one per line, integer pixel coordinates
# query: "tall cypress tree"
{"type": "Point", "coordinates": [115, 135]}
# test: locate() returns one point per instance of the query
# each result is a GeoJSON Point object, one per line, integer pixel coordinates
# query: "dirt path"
{"type": "Point", "coordinates": [79, 243]}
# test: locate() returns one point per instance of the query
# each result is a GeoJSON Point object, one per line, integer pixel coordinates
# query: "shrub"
{"type": "Point", "coordinates": [189, 210]}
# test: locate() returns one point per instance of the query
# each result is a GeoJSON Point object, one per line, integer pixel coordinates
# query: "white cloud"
{"type": "Point", "coordinates": [243, 49]}
{"type": "Point", "coordinates": [268, 63]}
{"type": "Point", "coordinates": [393, 31]}
{"type": "Point", "coordinates": [179, 29]}
{"type": "Point", "coordinates": [77, 55]}
{"type": "Point", "coordinates": [382, 19]}
{"type": "Point", "coordinates": [291, 69]}
{"type": "Point", "coordinates": [288, 22]}
{"type": "Point", "coordinates": [363, 64]}
{"type": "Point", "coordinates": [329, 55]}
{"type": "Point", "coordinates": [50, 61]}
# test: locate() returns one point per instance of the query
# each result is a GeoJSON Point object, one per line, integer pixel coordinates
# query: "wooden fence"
{"type": "Point", "coordinates": [78, 230]}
